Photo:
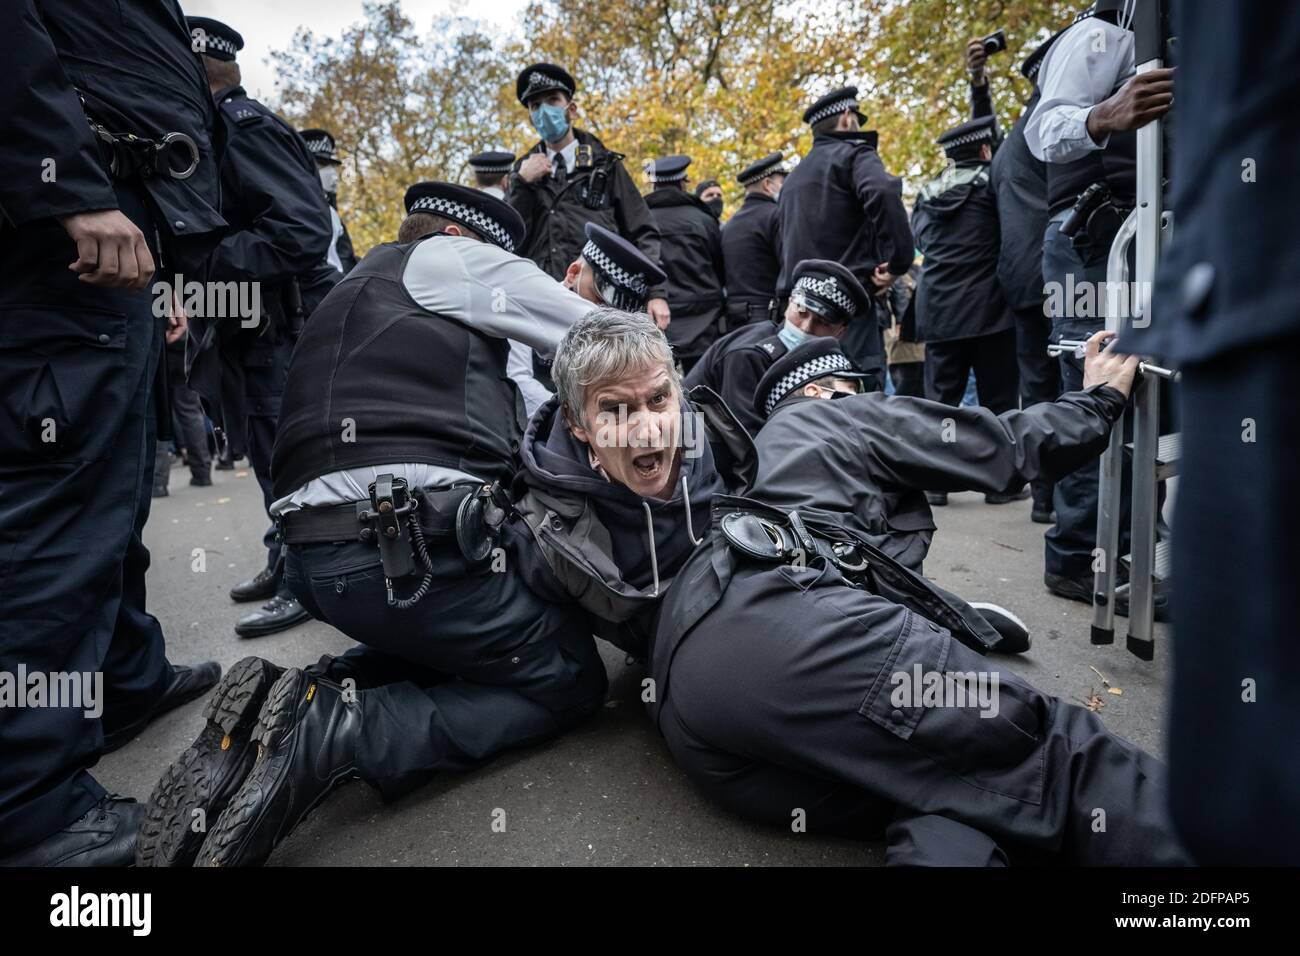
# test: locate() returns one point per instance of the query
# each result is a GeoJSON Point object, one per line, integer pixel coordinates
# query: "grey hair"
{"type": "Point", "coordinates": [602, 346]}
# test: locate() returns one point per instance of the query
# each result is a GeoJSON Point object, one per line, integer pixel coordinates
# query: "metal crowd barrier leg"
{"type": "Point", "coordinates": [1110, 483]}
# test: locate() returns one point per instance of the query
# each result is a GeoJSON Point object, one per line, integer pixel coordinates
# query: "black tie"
{"type": "Point", "coordinates": [559, 167]}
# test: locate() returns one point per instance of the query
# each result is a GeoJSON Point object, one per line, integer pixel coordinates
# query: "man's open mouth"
{"type": "Point", "coordinates": [650, 465]}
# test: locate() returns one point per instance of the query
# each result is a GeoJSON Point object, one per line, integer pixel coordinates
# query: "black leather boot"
{"type": "Point", "coordinates": [307, 734]}
{"type": "Point", "coordinates": [104, 836]}
{"type": "Point", "coordinates": [187, 684]}
{"type": "Point", "coordinates": [193, 791]}
{"type": "Point", "coordinates": [259, 588]}
{"type": "Point", "coordinates": [278, 614]}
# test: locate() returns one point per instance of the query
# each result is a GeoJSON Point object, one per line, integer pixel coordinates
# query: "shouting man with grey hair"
{"type": "Point", "coordinates": [799, 662]}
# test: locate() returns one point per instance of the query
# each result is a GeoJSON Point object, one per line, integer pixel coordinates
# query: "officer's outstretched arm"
{"type": "Point", "coordinates": [915, 443]}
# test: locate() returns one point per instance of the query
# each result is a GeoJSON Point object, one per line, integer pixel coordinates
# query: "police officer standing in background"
{"type": "Point", "coordinates": [87, 217]}
{"type": "Point", "coordinates": [492, 171]}
{"type": "Point", "coordinates": [751, 250]}
{"type": "Point", "coordinates": [960, 313]}
{"type": "Point", "coordinates": [840, 204]}
{"type": "Point", "coordinates": [1020, 183]}
{"type": "Point", "coordinates": [321, 145]}
{"type": "Point", "coordinates": [568, 179]}
{"type": "Point", "coordinates": [1083, 128]}
{"type": "Point", "coordinates": [281, 238]}
{"type": "Point", "coordinates": [690, 246]}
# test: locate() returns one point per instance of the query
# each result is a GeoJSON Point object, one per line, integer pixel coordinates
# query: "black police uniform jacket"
{"type": "Point", "coordinates": [690, 246]}
{"type": "Point", "coordinates": [281, 234]}
{"type": "Point", "coordinates": [853, 468]}
{"type": "Point", "coordinates": [733, 365]}
{"type": "Point", "coordinates": [956, 222]}
{"type": "Point", "coordinates": [840, 204]}
{"type": "Point", "coordinates": [751, 252]}
{"type": "Point", "coordinates": [133, 65]}
{"type": "Point", "coordinates": [555, 212]}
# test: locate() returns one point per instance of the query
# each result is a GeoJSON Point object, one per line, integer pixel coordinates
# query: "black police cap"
{"type": "Point", "coordinates": [320, 143]}
{"type": "Point", "coordinates": [805, 363]}
{"type": "Point", "coordinates": [213, 38]}
{"type": "Point", "coordinates": [834, 103]}
{"type": "Point", "coordinates": [667, 169]}
{"type": "Point", "coordinates": [982, 129]}
{"type": "Point", "coordinates": [829, 289]}
{"type": "Point", "coordinates": [622, 265]}
{"type": "Point", "coordinates": [488, 216]}
{"type": "Point", "coordinates": [492, 161]}
{"type": "Point", "coordinates": [756, 171]}
{"type": "Point", "coordinates": [541, 78]}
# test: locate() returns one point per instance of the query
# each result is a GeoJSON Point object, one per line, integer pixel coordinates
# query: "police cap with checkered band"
{"type": "Point", "coordinates": [624, 274]}
{"type": "Point", "coordinates": [829, 289]}
{"type": "Point", "coordinates": [813, 360]}
{"type": "Point", "coordinates": [542, 78]}
{"type": "Point", "coordinates": [488, 216]}
{"type": "Point", "coordinates": [213, 38]}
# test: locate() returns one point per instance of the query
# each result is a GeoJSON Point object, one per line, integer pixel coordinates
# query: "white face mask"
{"type": "Point", "coordinates": [329, 178]}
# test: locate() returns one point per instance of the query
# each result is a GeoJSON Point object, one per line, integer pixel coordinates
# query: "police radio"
{"type": "Point", "coordinates": [595, 191]}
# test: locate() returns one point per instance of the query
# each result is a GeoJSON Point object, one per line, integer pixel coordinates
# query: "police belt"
{"type": "Point", "coordinates": [436, 516]}
{"type": "Point", "coordinates": [771, 536]}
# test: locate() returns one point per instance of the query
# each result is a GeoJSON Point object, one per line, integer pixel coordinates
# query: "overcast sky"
{"type": "Point", "coordinates": [270, 24]}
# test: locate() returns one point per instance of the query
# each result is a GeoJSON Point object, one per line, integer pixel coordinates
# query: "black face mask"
{"type": "Point", "coordinates": [715, 206]}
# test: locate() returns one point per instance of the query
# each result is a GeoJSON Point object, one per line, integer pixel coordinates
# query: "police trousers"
{"type": "Point", "coordinates": [480, 665]}
{"type": "Point", "coordinates": [796, 699]}
{"type": "Point", "coordinates": [77, 443]}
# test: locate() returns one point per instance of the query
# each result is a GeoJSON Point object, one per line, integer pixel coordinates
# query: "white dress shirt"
{"type": "Point", "coordinates": [1089, 62]}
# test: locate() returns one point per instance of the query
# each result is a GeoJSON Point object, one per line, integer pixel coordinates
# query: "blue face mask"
{"type": "Point", "coordinates": [792, 337]}
{"type": "Point", "coordinates": [550, 122]}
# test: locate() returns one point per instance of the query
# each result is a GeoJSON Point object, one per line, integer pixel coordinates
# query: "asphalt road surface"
{"type": "Point", "coordinates": [607, 792]}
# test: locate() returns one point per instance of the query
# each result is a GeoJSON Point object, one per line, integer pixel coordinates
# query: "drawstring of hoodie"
{"type": "Point", "coordinates": [686, 502]}
{"type": "Point", "coordinates": [650, 531]}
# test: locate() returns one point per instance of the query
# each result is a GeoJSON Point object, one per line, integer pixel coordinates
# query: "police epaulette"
{"type": "Point", "coordinates": [243, 111]}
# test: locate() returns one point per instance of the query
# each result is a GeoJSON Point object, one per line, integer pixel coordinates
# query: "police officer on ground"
{"type": "Point", "coordinates": [960, 313]}
{"type": "Point", "coordinates": [321, 145]}
{"type": "Point", "coordinates": [826, 300]}
{"type": "Point", "coordinates": [397, 532]}
{"type": "Point", "coordinates": [1084, 129]}
{"type": "Point", "coordinates": [771, 623]}
{"type": "Point", "coordinates": [281, 239]}
{"type": "Point", "coordinates": [1020, 183]}
{"type": "Point", "coordinates": [751, 249]}
{"type": "Point", "coordinates": [492, 171]}
{"type": "Point", "coordinates": [568, 178]}
{"type": "Point", "coordinates": [840, 204]}
{"type": "Point", "coordinates": [88, 217]}
{"type": "Point", "coordinates": [690, 247]}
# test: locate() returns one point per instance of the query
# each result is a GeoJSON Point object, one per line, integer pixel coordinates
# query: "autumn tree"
{"type": "Point", "coordinates": [721, 80]}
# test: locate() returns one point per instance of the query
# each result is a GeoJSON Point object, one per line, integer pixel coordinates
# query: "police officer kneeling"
{"type": "Point", "coordinates": [792, 660]}
{"type": "Point", "coordinates": [397, 430]}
